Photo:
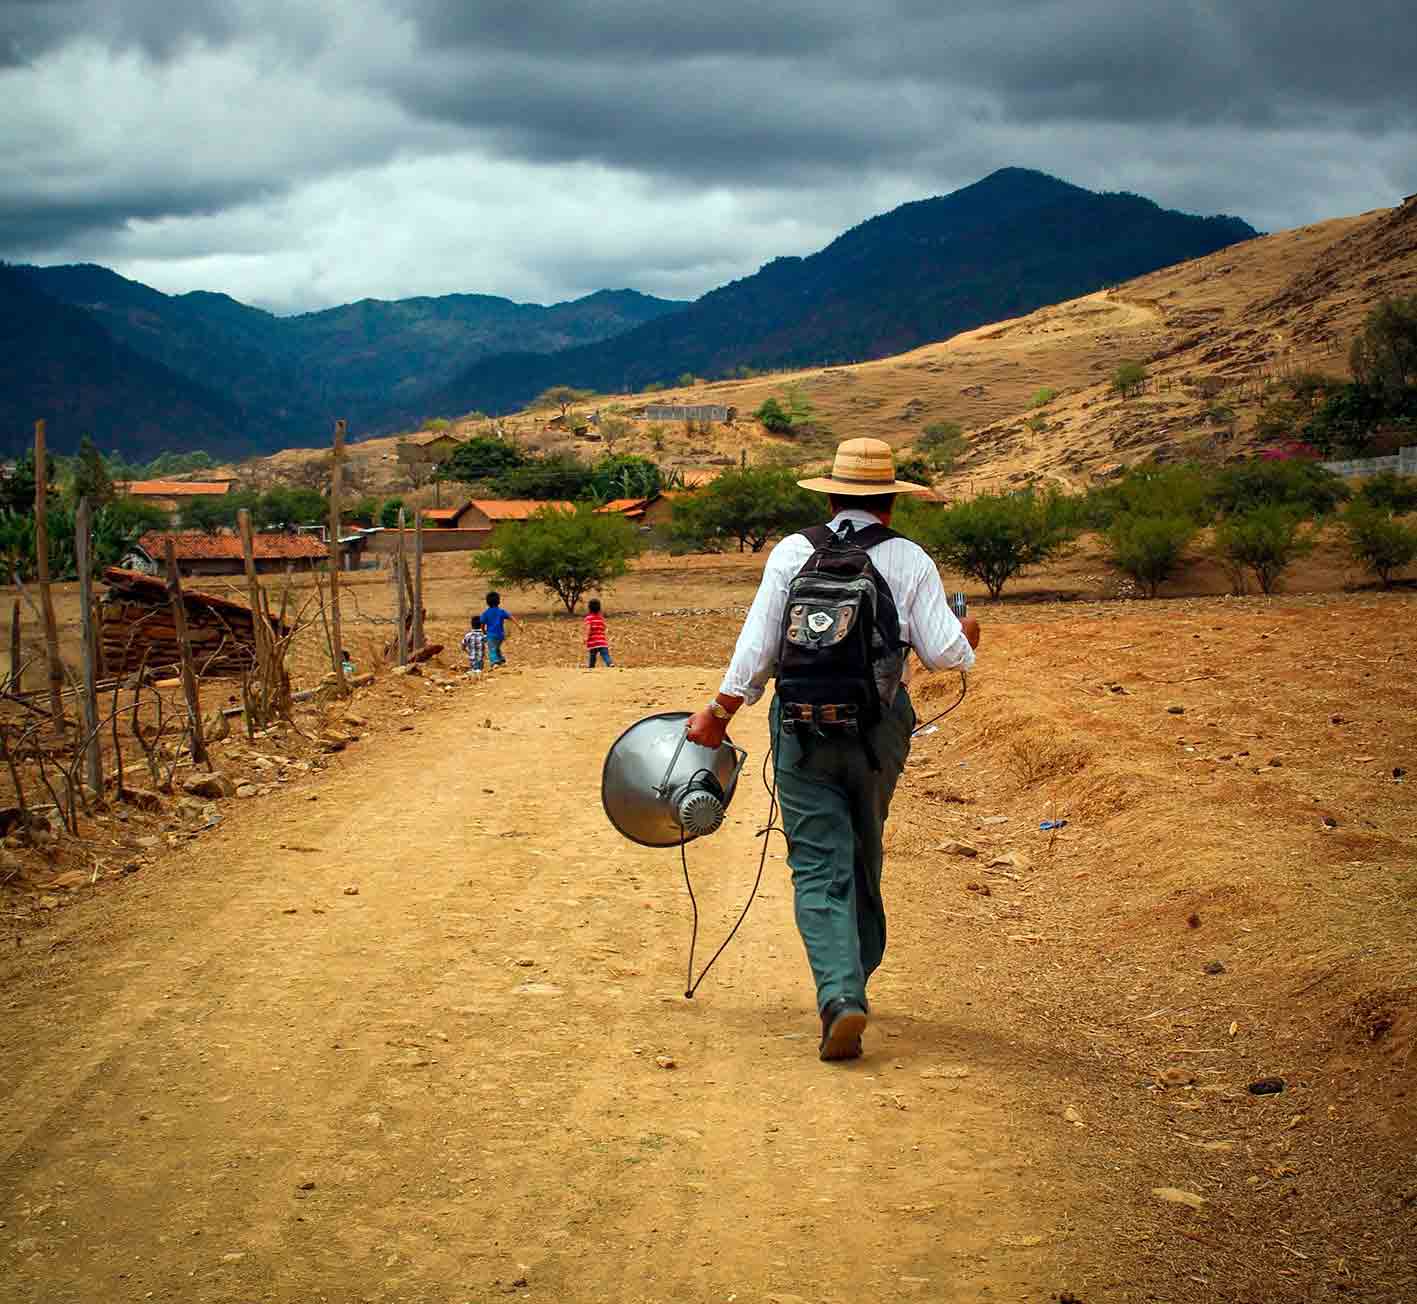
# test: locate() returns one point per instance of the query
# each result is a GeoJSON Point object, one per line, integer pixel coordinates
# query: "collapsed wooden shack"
{"type": "Point", "coordinates": [137, 631]}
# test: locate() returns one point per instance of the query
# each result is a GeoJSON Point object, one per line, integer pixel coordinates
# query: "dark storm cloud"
{"type": "Point", "coordinates": [750, 87]}
{"type": "Point", "coordinates": [29, 29]}
{"type": "Point", "coordinates": [307, 147]}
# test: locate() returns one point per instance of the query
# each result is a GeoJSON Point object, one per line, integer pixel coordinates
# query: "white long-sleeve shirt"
{"type": "Point", "coordinates": [926, 622]}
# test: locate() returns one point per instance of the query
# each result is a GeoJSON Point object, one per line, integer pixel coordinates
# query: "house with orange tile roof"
{"type": "Point", "coordinates": [487, 513]}
{"type": "Point", "coordinates": [632, 509]}
{"type": "Point", "coordinates": [220, 554]}
{"type": "Point", "coordinates": [449, 518]}
{"type": "Point", "coordinates": [170, 495]}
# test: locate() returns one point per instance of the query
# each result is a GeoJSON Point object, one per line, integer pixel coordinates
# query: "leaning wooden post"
{"type": "Point", "coordinates": [418, 581]}
{"type": "Point", "coordinates": [83, 548]}
{"type": "Point", "coordinates": [336, 636]}
{"type": "Point", "coordinates": [184, 652]}
{"type": "Point", "coordinates": [399, 566]}
{"type": "Point", "coordinates": [15, 649]}
{"type": "Point", "coordinates": [260, 630]}
{"type": "Point", "coordinates": [46, 597]}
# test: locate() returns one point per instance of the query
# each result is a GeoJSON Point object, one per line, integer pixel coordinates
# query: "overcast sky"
{"type": "Point", "coordinates": [301, 153]}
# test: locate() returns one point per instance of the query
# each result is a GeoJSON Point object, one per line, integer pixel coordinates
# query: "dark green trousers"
{"type": "Point", "coordinates": [834, 808]}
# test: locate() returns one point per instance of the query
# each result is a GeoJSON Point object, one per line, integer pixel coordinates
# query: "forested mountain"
{"type": "Point", "coordinates": [1008, 244]}
{"type": "Point", "coordinates": [286, 377]}
{"type": "Point", "coordinates": [58, 362]}
{"type": "Point", "coordinates": [142, 370]}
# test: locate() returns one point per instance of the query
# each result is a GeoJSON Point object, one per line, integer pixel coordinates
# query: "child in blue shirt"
{"type": "Point", "coordinates": [494, 625]}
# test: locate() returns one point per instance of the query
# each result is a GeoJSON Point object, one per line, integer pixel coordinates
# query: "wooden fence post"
{"type": "Point", "coordinates": [336, 634]}
{"type": "Point", "coordinates": [83, 547]}
{"type": "Point", "coordinates": [417, 580]}
{"type": "Point", "coordinates": [184, 650]}
{"type": "Point", "coordinates": [260, 629]}
{"type": "Point", "coordinates": [46, 597]}
{"type": "Point", "coordinates": [399, 566]}
{"type": "Point", "coordinates": [15, 649]}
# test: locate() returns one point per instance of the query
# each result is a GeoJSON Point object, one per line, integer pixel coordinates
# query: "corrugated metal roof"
{"type": "Point", "coordinates": [180, 488]}
{"type": "Point", "coordinates": [191, 545]}
{"type": "Point", "coordinates": [516, 509]}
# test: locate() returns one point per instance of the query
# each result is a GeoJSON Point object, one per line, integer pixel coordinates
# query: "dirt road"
{"type": "Point", "coordinates": [245, 1083]}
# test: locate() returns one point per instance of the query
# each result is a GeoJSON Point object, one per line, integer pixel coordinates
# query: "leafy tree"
{"type": "Point", "coordinates": [1281, 419]}
{"type": "Point", "coordinates": [1383, 356]}
{"type": "Point", "coordinates": [1302, 487]}
{"type": "Point", "coordinates": [614, 428]}
{"type": "Point", "coordinates": [1182, 489]}
{"type": "Point", "coordinates": [995, 536]}
{"type": "Point", "coordinates": [389, 513]}
{"type": "Point", "coordinates": [1265, 541]}
{"type": "Point", "coordinates": [1377, 541]}
{"type": "Point", "coordinates": [17, 541]}
{"type": "Point", "coordinates": [688, 379]}
{"type": "Point", "coordinates": [480, 458]}
{"type": "Point", "coordinates": [1390, 492]}
{"type": "Point", "coordinates": [1129, 379]}
{"type": "Point", "coordinates": [209, 514]}
{"type": "Point", "coordinates": [557, 476]}
{"type": "Point", "coordinates": [365, 510]}
{"type": "Point", "coordinates": [1149, 548]}
{"type": "Point", "coordinates": [560, 396]}
{"type": "Point", "coordinates": [291, 505]}
{"type": "Point", "coordinates": [118, 525]}
{"type": "Point", "coordinates": [17, 488]}
{"type": "Point", "coordinates": [774, 417]}
{"type": "Point", "coordinates": [915, 469]}
{"type": "Point", "coordinates": [750, 505]}
{"type": "Point", "coordinates": [91, 478]}
{"type": "Point", "coordinates": [626, 476]}
{"type": "Point", "coordinates": [565, 553]}
{"type": "Point", "coordinates": [941, 443]}
{"type": "Point", "coordinates": [438, 424]}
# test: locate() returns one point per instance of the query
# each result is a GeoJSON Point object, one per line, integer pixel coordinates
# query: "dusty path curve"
{"type": "Point", "coordinates": [252, 1086]}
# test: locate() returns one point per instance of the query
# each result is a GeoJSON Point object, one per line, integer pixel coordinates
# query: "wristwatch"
{"type": "Point", "coordinates": [719, 711]}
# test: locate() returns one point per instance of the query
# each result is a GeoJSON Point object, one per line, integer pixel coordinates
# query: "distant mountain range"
{"type": "Point", "coordinates": [143, 371]}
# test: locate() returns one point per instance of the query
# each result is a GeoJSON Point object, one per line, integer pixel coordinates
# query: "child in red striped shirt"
{"type": "Point", "coordinates": [595, 641]}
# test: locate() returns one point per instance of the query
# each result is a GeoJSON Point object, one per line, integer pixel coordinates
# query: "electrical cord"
{"type": "Point", "coordinates": [963, 689]}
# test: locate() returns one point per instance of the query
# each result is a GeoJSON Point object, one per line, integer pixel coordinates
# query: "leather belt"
{"type": "Point", "coordinates": [826, 713]}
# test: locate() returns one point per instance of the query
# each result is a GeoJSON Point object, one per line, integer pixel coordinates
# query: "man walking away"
{"type": "Point", "coordinates": [841, 717]}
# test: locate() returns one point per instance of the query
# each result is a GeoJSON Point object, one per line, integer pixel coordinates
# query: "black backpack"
{"type": "Point", "coordinates": [842, 658]}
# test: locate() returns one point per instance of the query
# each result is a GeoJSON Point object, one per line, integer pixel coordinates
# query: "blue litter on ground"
{"type": "Point", "coordinates": [1053, 824]}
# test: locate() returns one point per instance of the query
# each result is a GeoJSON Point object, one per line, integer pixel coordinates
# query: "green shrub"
{"type": "Point", "coordinates": [1042, 397]}
{"type": "Point", "coordinates": [625, 476]}
{"type": "Point", "coordinates": [993, 537]}
{"type": "Point", "coordinates": [1390, 492]}
{"type": "Point", "coordinates": [915, 469]}
{"type": "Point", "coordinates": [1182, 489]}
{"type": "Point", "coordinates": [1264, 543]}
{"type": "Point", "coordinates": [1302, 487]}
{"type": "Point", "coordinates": [1378, 542]}
{"type": "Point", "coordinates": [774, 417]}
{"type": "Point", "coordinates": [941, 443]}
{"type": "Point", "coordinates": [1129, 379]}
{"type": "Point", "coordinates": [389, 513]}
{"type": "Point", "coordinates": [565, 553]}
{"type": "Point", "coordinates": [1150, 549]}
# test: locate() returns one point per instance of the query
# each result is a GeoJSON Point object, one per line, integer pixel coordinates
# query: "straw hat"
{"type": "Point", "coordinates": [863, 467]}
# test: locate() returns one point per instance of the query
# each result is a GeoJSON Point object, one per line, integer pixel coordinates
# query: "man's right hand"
{"type": "Point", "coordinates": [970, 626]}
{"type": "Point", "coordinates": [706, 729]}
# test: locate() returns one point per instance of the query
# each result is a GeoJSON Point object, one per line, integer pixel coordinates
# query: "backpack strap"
{"type": "Point", "coordinates": [867, 536]}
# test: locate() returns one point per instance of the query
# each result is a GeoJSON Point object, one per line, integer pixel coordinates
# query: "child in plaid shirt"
{"type": "Point", "coordinates": [474, 643]}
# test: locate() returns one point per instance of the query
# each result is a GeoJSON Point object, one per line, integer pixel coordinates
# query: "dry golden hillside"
{"type": "Point", "coordinates": [1213, 333]}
